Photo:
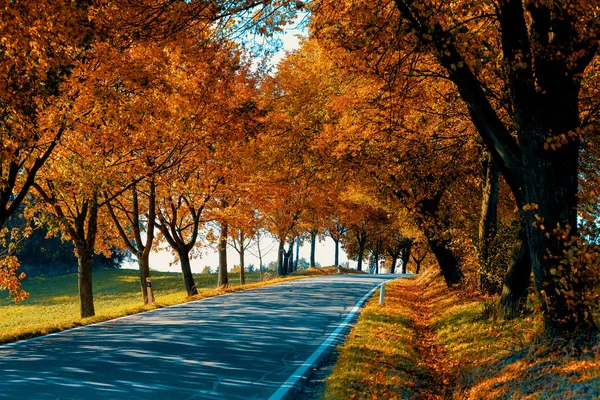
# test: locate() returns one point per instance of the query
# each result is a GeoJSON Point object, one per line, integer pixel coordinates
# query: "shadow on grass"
{"type": "Point", "coordinates": [501, 359]}
{"type": "Point", "coordinates": [378, 360]}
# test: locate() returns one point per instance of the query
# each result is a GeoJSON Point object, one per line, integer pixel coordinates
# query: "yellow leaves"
{"type": "Point", "coordinates": [9, 280]}
{"type": "Point", "coordinates": [530, 207]}
{"type": "Point", "coordinates": [555, 142]}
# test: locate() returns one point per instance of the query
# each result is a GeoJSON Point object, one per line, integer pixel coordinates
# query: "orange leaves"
{"type": "Point", "coordinates": [530, 207]}
{"type": "Point", "coordinates": [555, 142]}
{"type": "Point", "coordinates": [9, 280]}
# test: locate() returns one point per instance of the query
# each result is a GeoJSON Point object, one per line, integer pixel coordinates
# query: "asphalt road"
{"type": "Point", "coordinates": [243, 345]}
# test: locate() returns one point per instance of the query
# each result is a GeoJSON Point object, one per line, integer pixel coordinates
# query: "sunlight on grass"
{"type": "Point", "coordinates": [377, 360]}
{"type": "Point", "coordinates": [480, 357]}
{"type": "Point", "coordinates": [504, 359]}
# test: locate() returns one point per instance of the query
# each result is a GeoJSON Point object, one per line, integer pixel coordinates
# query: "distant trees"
{"type": "Point", "coordinates": [40, 253]}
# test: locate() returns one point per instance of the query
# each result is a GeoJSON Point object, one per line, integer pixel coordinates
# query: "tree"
{"type": "Point", "coordinates": [37, 58]}
{"type": "Point", "coordinates": [179, 217]}
{"type": "Point", "coordinates": [158, 112]}
{"type": "Point", "coordinates": [260, 252]}
{"type": "Point", "coordinates": [313, 246]}
{"type": "Point", "coordinates": [241, 241]}
{"type": "Point", "coordinates": [223, 280]}
{"type": "Point", "coordinates": [42, 43]}
{"type": "Point", "coordinates": [544, 49]}
{"type": "Point", "coordinates": [73, 205]}
{"type": "Point", "coordinates": [544, 59]}
{"type": "Point", "coordinates": [139, 247]}
{"type": "Point", "coordinates": [418, 256]}
{"type": "Point", "coordinates": [336, 232]}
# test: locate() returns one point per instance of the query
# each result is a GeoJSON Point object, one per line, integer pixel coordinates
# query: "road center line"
{"type": "Point", "coordinates": [291, 381]}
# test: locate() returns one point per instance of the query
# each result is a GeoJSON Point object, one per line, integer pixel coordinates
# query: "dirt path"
{"type": "Point", "coordinates": [435, 383]}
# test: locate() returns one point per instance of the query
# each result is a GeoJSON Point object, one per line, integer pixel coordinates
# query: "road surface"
{"type": "Point", "coordinates": [243, 345]}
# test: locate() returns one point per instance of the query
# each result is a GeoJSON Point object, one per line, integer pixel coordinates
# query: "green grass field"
{"type": "Point", "coordinates": [54, 303]}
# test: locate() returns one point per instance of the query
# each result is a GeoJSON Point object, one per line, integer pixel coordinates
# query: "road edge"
{"type": "Point", "coordinates": [303, 370]}
{"type": "Point", "coordinates": [132, 315]}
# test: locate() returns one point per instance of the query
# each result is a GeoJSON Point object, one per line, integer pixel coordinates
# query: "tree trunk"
{"type": "Point", "coordinates": [143, 260]}
{"type": "Point", "coordinates": [551, 184]}
{"type": "Point", "coordinates": [337, 253]}
{"type": "Point", "coordinates": [447, 260]}
{"type": "Point", "coordinates": [84, 241]}
{"type": "Point", "coordinates": [286, 260]}
{"type": "Point", "coordinates": [449, 263]}
{"type": "Point", "coordinates": [488, 224]}
{"type": "Point", "coordinates": [242, 265]}
{"type": "Point", "coordinates": [546, 117]}
{"type": "Point", "coordinates": [260, 262]}
{"type": "Point", "coordinates": [518, 277]}
{"type": "Point", "coordinates": [147, 248]}
{"type": "Point", "coordinates": [223, 274]}
{"type": "Point", "coordinates": [417, 265]}
{"type": "Point", "coordinates": [361, 253]}
{"type": "Point", "coordinates": [418, 261]}
{"type": "Point", "coordinates": [281, 271]}
{"type": "Point", "coordinates": [313, 246]}
{"type": "Point", "coordinates": [405, 256]}
{"type": "Point", "coordinates": [290, 257]}
{"type": "Point", "coordinates": [84, 269]}
{"type": "Point", "coordinates": [186, 271]}
{"type": "Point", "coordinates": [393, 265]}
{"type": "Point", "coordinates": [297, 253]}
{"type": "Point", "coordinates": [137, 247]}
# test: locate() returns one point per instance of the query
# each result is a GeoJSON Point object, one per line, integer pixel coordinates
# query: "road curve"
{"type": "Point", "coordinates": [242, 345]}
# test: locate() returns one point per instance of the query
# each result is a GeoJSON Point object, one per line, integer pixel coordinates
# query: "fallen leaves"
{"type": "Point", "coordinates": [428, 342]}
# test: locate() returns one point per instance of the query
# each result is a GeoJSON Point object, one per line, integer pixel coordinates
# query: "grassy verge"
{"type": "Point", "coordinates": [54, 303]}
{"type": "Point", "coordinates": [507, 359]}
{"type": "Point", "coordinates": [378, 361]}
{"type": "Point", "coordinates": [431, 342]}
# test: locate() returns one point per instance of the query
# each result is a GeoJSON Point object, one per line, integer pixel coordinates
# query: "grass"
{"type": "Point", "coordinates": [507, 359]}
{"type": "Point", "coordinates": [377, 360]}
{"type": "Point", "coordinates": [428, 341]}
{"type": "Point", "coordinates": [54, 303]}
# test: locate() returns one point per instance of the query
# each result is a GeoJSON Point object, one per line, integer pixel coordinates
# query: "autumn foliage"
{"type": "Point", "coordinates": [462, 131]}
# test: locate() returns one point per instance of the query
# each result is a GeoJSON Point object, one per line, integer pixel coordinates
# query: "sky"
{"type": "Point", "coordinates": [290, 39]}
{"type": "Point", "coordinates": [325, 250]}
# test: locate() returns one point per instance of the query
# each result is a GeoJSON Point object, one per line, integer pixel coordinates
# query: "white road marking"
{"type": "Point", "coordinates": [291, 381]}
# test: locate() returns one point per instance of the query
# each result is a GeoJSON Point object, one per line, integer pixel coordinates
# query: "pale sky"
{"type": "Point", "coordinates": [290, 39]}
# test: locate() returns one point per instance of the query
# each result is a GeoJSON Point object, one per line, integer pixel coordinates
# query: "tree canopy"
{"type": "Point", "coordinates": [466, 129]}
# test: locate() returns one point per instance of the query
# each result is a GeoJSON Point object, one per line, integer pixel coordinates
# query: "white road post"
{"type": "Point", "coordinates": [381, 294]}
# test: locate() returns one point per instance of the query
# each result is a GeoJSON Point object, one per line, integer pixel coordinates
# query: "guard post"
{"type": "Point", "coordinates": [381, 294]}
{"type": "Point", "coordinates": [149, 291]}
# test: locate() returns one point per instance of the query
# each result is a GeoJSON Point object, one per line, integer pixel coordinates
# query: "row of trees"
{"type": "Point", "coordinates": [466, 108]}
{"type": "Point", "coordinates": [122, 123]}
{"type": "Point", "coordinates": [136, 123]}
